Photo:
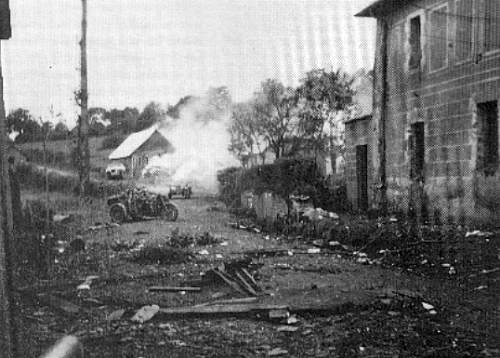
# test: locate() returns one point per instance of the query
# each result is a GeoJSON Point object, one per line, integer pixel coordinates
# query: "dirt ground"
{"type": "Point", "coordinates": [339, 306]}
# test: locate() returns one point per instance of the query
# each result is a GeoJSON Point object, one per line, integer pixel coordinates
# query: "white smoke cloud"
{"type": "Point", "coordinates": [201, 149]}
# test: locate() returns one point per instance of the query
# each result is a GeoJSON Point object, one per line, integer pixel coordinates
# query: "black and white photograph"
{"type": "Point", "coordinates": [249, 178]}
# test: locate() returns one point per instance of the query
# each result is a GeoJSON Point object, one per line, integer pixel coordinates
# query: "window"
{"type": "Point", "coordinates": [492, 25]}
{"type": "Point", "coordinates": [415, 43]}
{"type": "Point", "coordinates": [464, 31]}
{"type": "Point", "coordinates": [488, 137]}
{"type": "Point", "coordinates": [438, 38]}
{"type": "Point", "coordinates": [417, 151]}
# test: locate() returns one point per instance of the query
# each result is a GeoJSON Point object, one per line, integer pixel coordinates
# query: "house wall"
{"type": "Point", "coordinates": [157, 144]}
{"type": "Point", "coordinates": [358, 132]}
{"type": "Point", "coordinates": [445, 100]}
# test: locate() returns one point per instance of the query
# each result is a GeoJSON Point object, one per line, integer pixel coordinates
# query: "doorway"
{"type": "Point", "coordinates": [362, 176]}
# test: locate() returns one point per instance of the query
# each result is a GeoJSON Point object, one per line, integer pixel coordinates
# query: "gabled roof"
{"type": "Point", "coordinates": [133, 142]}
{"type": "Point", "coordinates": [382, 7]}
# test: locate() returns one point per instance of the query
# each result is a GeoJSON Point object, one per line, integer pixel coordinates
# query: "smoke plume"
{"type": "Point", "coordinates": [201, 149]}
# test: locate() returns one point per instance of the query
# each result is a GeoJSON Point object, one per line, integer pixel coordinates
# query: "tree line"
{"type": "Point", "coordinates": [119, 122]}
{"type": "Point", "coordinates": [289, 121]}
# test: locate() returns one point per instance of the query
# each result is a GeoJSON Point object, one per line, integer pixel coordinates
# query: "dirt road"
{"type": "Point", "coordinates": [342, 308]}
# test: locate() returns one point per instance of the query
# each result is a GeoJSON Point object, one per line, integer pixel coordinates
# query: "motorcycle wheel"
{"type": "Point", "coordinates": [117, 214]}
{"type": "Point", "coordinates": [169, 212]}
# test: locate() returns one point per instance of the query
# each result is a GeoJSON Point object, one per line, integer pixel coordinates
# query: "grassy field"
{"type": "Point", "coordinates": [98, 157]}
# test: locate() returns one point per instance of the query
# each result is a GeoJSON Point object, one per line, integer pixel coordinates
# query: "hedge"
{"type": "Point", "coordinates": [285, 177]}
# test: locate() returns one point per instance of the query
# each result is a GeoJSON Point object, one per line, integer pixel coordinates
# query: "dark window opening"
{"type": "Point", "coordinates": [488, 139]}
{"type": "Point", "coordinates": [417, 151]}
{"type": "Point", "coordinates": [464, 30]}
{"type": "Point", "coordinates": [415, 43]}
{"type": "Point", "coordinates": [439, 41]}
{"type": "Point", "coordinates": [492, 25]}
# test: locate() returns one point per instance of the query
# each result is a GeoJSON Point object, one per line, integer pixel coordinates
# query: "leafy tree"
{"type": "Point", "coordinates": [322, 96]}
{"type": "Point", "coordinates": [97, 118]}
{"type": "Point", "coordinates": [151, 114]}
{"type": "Point", "coordinates": [130, 118]}
{"type": "Point", "coordinates": [246, 136]}
{"type": "Point", "coordinates": [21, 121]}
{"type": "Point", "coordinates": [275, 115]}
{"type": "Point", "coordinates": [60, 131]}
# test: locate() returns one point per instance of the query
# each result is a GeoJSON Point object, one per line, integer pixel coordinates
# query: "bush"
{"type": "Point", "coordinates": [285, 177]}
{"type": "Point", "coordinates": [112, 141]}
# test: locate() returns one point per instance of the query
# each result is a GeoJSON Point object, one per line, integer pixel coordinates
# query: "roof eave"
{"type": "Point", "coordinates": [370, 10]}
{"type": "Point", "coordinates": [381, 8]}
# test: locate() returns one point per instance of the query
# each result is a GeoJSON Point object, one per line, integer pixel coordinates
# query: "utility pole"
{"type": "Point", "coordinates": [83, 123]}
{"type": "Point", "coordinates": [7, 332]}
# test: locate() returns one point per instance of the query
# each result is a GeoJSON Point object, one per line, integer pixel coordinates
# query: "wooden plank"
{"type": "Point", "coordinates": [250, 278]}
{"type": "Point", "coordinates": [231, 301]}
{"type": "Point", "coordinates": [174, 289]}
{"type": "Point", "coordinates": [246, 285]}
{"type": "Point", "coordinates": [235, 286]}
{"type": "Point", "coordinates": [220, 309]}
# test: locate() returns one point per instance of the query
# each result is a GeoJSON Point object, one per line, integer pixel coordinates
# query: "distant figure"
{"type": "Point", "coordinates": [15, 193]}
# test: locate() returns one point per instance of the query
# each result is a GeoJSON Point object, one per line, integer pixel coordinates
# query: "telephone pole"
{"type": "Point", "coordinates": [7, 332]}
{"type": "Point", "coordinates": [83, 123]}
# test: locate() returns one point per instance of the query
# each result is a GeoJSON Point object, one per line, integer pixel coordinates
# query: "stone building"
{"type": "Point", "coordinates": [136, 150]}
{"type": "Point", "coordinates": [431, 146]}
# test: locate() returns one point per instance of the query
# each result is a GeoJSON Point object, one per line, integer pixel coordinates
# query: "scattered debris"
{"type": "Point", "coordinates": [116, 315]}
{"type": "Point", "coordinates": [279, 314]}
{"type": "Point", "coordinates": [478, 233]}
{"type": "Point", "coordinates": [86, 283]}
{"type": "Point", "coordinates": [181, 240]}
{"type": "Point", "coordinates": [427, 306]}
{"type": "Point", "coordinates": [314, 251]}
{"type": "Point", "coordinates": [203, 252]}
{"type": "Point", "coordinates": [235, 275]}
{"type": "Point", "coordinates": [276, 352]}
{"type": "Point", "coordinates": [287, 329]}
{"type": "Point", "coordinates": [103, 226]}
{"type": "Point", "coordinates": [63, 219]}
{"type": "Point", "coordinates": [145, 313]}
{"type": "Point", "coordinates": [161, 255]}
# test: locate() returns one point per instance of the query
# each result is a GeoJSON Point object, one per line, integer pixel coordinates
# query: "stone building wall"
{"type": "Point", "coordinates": [446, 102]}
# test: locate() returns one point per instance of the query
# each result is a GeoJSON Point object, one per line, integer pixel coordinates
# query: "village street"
{"type": "Point", "coordinates": [310, 301]}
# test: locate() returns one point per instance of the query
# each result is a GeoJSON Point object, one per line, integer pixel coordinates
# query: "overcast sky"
{"type": "Point", "coordinates": [143, 50]}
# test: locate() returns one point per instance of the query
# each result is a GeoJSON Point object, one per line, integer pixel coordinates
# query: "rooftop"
{"type": "Point", "coordinates": [132, 143]}
{"type": "Point", "coordinates": [382, 7]}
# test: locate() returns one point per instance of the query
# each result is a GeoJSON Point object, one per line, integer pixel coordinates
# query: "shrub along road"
{"type": "Point", "coordinates": [334, 304]}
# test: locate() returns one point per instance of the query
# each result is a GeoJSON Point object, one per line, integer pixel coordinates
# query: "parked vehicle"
{"type": "Point", "coordinates": [115, 170]}
{"type": "Point", "coordinates": [183, 190]}
{"type": "Point", "coordinates": [139, 204]}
